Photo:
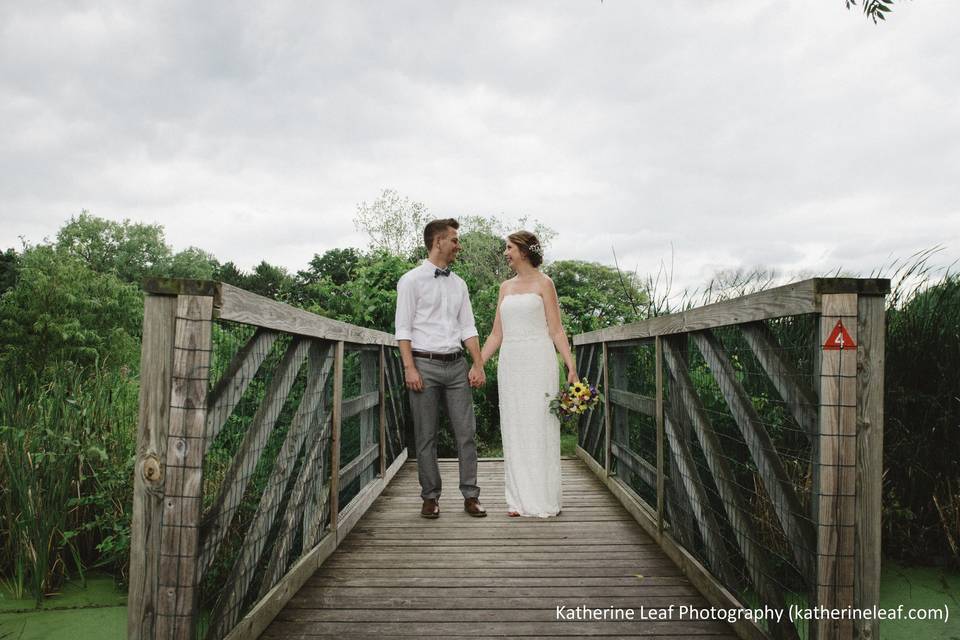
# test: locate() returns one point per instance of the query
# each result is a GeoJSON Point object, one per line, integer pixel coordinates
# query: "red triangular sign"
{"type": "Point", "coordinates": [839, 338]}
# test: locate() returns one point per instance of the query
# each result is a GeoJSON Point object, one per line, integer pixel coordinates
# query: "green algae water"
{"type": "Point", "coordinates": [98, 610]}
{"type": "Point", "coordinates": [920, 588]}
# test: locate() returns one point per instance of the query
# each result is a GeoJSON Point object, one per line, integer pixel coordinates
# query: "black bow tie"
{"type": "Point", "coordinates": [441, 272]}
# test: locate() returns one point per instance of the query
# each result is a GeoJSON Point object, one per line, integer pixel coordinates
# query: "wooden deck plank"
{"type": "Point", "coordinates": [638, 590]}
{"type": "Point", "coordinates": [420, 615]}
{"type": "Point", "coordinates": [532, 546]}
{"type": "Point", "coordinates": [678, 628]}
{"type": "Point", "coordinates": [399, 575]}
{"type": "Point", "coordinates": [446, 553]}
{"type": "Point", "coordinates": [330, 599]}
{"type": "Point", "coordinates": [401, 580]}
{"type": "Point", "coordinates": [390, 636]}
{"type": "Point", "coordinates": [663, 568]}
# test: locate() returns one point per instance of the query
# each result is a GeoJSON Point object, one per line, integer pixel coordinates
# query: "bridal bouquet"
{"type": "Point", "coordinates": [575, 400]}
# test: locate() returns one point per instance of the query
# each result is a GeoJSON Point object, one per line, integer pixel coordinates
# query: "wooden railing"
{"type": "Point", "coordinates": [265, 432]}
{"type": "Point", "coordinates": [746, 437]}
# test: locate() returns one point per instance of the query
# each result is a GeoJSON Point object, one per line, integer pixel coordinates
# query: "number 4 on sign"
{"type": "Point", "coordinates": [839, 338]}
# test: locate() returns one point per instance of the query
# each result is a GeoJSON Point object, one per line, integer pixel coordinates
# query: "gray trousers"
{"type": "Point", "coordinates": [447, 382]}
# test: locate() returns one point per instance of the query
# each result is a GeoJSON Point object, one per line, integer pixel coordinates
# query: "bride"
{"type": "Point", "coordinates": [527, 325]}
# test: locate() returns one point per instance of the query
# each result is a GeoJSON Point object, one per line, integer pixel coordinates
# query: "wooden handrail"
{"type": "Point", "coordinates": [236, 305]}
{"type": "Point", "coordinates": [789, 300]}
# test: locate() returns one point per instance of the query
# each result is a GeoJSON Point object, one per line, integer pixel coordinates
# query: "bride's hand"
{"type": "Point", "coordinates": [572, 377]}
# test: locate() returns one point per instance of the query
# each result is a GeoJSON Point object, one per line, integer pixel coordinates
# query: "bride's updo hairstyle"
{"type": "Point", "coordinates": [529, 246]}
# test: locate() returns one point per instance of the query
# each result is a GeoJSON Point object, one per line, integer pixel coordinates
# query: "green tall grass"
{"type": "Point", "coordinates": [922, 434]}
{"type": "Point", "coordinates": [66, 451]}
{"type": "Point", "coordinates": [921, 491]}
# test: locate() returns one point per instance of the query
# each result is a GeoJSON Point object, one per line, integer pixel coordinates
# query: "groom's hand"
{"type": "Point", "coordinates": [477, 377]}
{"type": "Point", "coordinates": [412, 378]}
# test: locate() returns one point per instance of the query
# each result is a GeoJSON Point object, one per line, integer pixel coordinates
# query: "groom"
{"type": "Point", "coordinates": [433, 318]}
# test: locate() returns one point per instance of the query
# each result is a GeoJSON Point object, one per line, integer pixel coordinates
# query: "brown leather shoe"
{"type": "Point", "coordinates": [474, 508]}
{"type": "Point", "coordinates": [430, 508]}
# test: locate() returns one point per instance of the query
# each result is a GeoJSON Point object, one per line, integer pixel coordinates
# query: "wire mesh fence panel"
{"type": "Point", "coordinates": [238, 482]}
{"type": "Point", "coordinates": [748, 432]}
{"type": "Point", "coordinates": [397, 408]}
{"type": "Point", "coordinates": [359, 431]}
{"type": "Point", "coordinates": [251, 528]}
{"type": "Point", "coordinates": [633, 393]}
{"type": "Point", "coordinates": [591, 424]}
{"type": "Point", "coordinates": [747, 466]}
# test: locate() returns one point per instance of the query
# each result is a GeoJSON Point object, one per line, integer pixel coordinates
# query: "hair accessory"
{"type": "Point", "coordinates": [536, 249]}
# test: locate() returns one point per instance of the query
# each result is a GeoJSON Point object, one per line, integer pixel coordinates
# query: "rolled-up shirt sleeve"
{"type": "Point", "coordinates": [468, 326]}
{"type": "Point", "coordinates": [406, 308]}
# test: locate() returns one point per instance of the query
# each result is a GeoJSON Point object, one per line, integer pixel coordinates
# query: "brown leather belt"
{"type": "Point", "coordinates": [443, 357]}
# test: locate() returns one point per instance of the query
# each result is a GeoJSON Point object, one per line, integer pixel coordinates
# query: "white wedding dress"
{"type": "Point", "coordinates": [527, 379]}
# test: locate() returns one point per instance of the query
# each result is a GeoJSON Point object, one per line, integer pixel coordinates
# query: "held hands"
{"type": "Point", "coordinates": [412, 379]}
{"type": "Point", "coordinates": [572, 377]}
{"type": "Point", "coordinates": [477, 377]}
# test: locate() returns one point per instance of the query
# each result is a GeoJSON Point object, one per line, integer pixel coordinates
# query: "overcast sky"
{"type": "Point", "coordinates": [796, 135]}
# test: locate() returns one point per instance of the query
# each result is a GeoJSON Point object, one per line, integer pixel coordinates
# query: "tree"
{"type": "Point", "coordinates": [231, 274]}
{"type": "Point", "coordinates": [270, 281]}
{"type": "Point", "coordinates": [336, 265]}
{"type": "Point", "coordinates": [193, 263]}
{"type": "Point", "coordinates": [394, 224]}
{"type": "Point", "coordinates": [9, 268]}
{"type": "Point", "coordinates": [874, 9]}
{"type": "Point", "coordinates": [130, 250]}
{"type": "Point", "coordinates": [61, 310]}
{"type": "Point", "coordinates": [481, 263]}
{"type": "Point", "coordinates": [370, 296]}
{"type": "Point", "coordinates": [593, 296]}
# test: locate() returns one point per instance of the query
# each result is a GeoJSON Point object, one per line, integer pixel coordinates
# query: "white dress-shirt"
{"type": "Point", "coordinates": [433, 312]}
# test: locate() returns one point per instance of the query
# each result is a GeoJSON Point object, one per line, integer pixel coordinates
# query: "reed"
{"type": "Point", "coordinates": [66, 446]}
{"type": "Point", "coordinates": [921, 503]}
{"type": "Point", "coordinates": [922, 434]}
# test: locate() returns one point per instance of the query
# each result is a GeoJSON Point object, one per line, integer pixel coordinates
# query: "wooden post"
{"type": "Point", "coordinates": [369, 382]}
{"type": "Point", "coordinates": [658, 376]}
{"type": "Point", "coordinates": [871, 332]}
{"type": "Point", "coordinates": [607, 453]}
{"type": "Point", "coordinates": [156, 364]}
{"type": "Point", "coordinates": [337, 411]}
{"type": "Point", "coordinates": [835, 482]}
{"type": "Point", "coordinates": [183, 476]}
{"type": "Point", "coordinates": [383, 412]}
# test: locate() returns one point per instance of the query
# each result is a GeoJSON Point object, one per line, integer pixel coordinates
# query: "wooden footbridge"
{"type": "Point", "coordinates": [733, 472]}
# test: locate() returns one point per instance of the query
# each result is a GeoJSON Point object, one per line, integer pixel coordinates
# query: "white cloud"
{"type": "Point", "coordinates": [801, 137]}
